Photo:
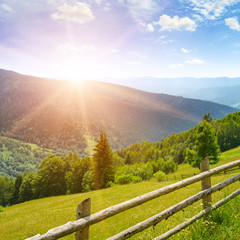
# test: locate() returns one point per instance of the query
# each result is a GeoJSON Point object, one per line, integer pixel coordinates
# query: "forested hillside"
{"type": "Point", "coordinates": [176, 146]}
{"type": "Point", "coordinates": [64, 117]}
{"type": "Point", "coordinates": [17, 156]}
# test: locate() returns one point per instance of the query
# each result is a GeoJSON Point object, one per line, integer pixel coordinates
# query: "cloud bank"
{"type": "Point", "coordinates": [176, 23]}
{"type": "Point", "coordinates": [78, 12]}
{"type": "Point", "coordinates": [232, 23]}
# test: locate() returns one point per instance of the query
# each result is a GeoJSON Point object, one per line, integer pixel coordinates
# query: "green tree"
{"type": "Point", "coordinates": [26, 191]}
{"type": "Point", "coordinates": [87, 181]}
{"type": "Point", "coordinates": [6, 190]}
{"type": "Point", "coordinates": [207, 117]}
{"type": "Point", "coordinates": [51, 177]}
{"type": "Point", "coordinates": [75, 176]}
{"type": "Point", "coordinates": [103, 162]}
{"type": "Point", "coordinates": [205, 145]}
{"type": "Point", "coordinates": [128, 159]}
{"type": "Point", "coordinates": [17, 185]}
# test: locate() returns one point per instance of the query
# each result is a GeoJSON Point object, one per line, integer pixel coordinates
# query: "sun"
{"type": "Point", "coordinates": [76, 73]}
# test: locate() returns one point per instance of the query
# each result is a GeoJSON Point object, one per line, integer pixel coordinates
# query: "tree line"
{"type": "Point", "coordinates": [61, 175]}
{"type": "Point", "coordinates": [71, 174]}
{"type": "Point", "coordinates": [58, 175]}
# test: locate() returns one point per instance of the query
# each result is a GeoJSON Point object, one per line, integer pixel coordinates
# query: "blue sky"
{"type": "Point", "coordinates": [122, 38]}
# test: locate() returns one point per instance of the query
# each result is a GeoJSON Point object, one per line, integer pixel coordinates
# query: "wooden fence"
{"type": "Point", "coordinates": [183, 176]}
{"type": "Point", "coordinates": [84, 219]}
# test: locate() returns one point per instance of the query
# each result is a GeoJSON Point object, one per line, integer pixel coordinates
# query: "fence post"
{"type": "Point", "coordinates": [83, 210]}
{"type": "Point", "coordinates": [206, 183]}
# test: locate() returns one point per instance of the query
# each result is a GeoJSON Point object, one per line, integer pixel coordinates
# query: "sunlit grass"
{"type": "Point", "coordinates": [229, 156]}
{"type": "Point", "coordinates": [222, 224]}
{"type": "Point", "coordinates": [226, 157]}
{"type": "Point", "coordinates": [38, 216]}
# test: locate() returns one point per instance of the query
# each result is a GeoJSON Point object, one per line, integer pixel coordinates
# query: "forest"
{"type": "Point", "coordinates": [17, 156]}
{"type": "Point", "coordinates": [57, 175]}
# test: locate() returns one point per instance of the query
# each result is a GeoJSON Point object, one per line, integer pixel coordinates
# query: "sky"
{"type": "Point", "coordinates": [91, 39]}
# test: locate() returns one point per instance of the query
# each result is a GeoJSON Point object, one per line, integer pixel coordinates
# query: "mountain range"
{"type": "Point", "coordinates": [62, 115]}
{"type": "Point", "coordinates": [223, 90]}
{"type": "Point", "coordinates": [228, 95]}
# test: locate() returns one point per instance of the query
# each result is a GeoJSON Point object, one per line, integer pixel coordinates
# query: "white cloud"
{"type": "Point", "coordinates": [212, 9]}
{"type": "Point", "coordinates": [195, 61]}
{"type": "Point", "coordinates": [184, 50]}
{"type": "Point", "coordinates": [148, 27]}
{"type": "Point", "coordinates": [6, 7]}
{"type": "Point", "coordinates": [232, 23]}
{"type": "Point", "coordinates": [177, 65]}
{"type": "Point", "coordinates": [98, 1]}
{"type": "Point", "coordinates": [166, 41]}
{"type": "Point", "coordinates": [78, 12]}
{"type": "Point", "coordinates": [176, 23]}
{"type": "Point", "coordinates": [180, 65]}
{"type": "Point", "coordinates": [163, 40]}
{"type": "Point", "coordinates": [162, 37]}
{"type": "Point", "coordinates": [140, 10]}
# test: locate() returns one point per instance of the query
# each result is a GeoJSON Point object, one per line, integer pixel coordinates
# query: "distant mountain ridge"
{"type": "Point", "coordinates": [182, 86]}
{"type": "Point", "coordinates": [59, 115]}
{"type": "Point", "coordinates": [228, 95]}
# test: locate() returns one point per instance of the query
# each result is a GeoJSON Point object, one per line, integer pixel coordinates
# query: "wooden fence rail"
{"type": "Point", "coordinates": [185, 224]}
{"type": "Point", "coordinates": [86, 221]}
{"type": "Point", "coordinates": [183, 176]}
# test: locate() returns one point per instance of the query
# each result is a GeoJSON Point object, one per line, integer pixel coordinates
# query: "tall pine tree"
{"type": "Point", "coordinates": [205, 145]}
{"type": "Point", "coordinates": [103, 162]}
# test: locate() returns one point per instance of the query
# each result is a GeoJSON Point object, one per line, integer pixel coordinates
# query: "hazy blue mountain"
{"type": "Point", "coordinates": [174, 86]}
{"type": "Point", "coordinates": [229, 95]}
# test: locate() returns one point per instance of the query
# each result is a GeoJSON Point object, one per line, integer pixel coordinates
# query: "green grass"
{"type": "Point", "coordinates": [222, 224]}
{"type": "Point", "coordinates": [226, 157]}
{"type": "Point", "coordinates": [229, 156]}
{"type": "Point", "coordinates": [38, 216]}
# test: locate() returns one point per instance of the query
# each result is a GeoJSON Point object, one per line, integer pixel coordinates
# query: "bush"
{"type": "Point", "coordinates": [109, 184]}
{"type": "Point", "coordinates": [145, 172]}
{"type": "Point", "coordinates": [169, 166]}
{"type": "Point", "coordinates": [123, 179]}
{"type": "Point", "coordinates": [136, 179]}
{"type": "Point", "coordinates": [160, 176]}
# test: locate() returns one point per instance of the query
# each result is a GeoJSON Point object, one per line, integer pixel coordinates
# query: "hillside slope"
{"type": "Point", "coordinates": [58, 115]}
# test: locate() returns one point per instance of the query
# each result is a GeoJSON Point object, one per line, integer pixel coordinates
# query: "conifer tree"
{"type": "Point", "coordinates": [103, 162]}
{"type": "Point", "coordinates": [205, 146]}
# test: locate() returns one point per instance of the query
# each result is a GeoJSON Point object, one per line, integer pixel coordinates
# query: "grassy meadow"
{"type": "Point", "coordinates": [38, 216]}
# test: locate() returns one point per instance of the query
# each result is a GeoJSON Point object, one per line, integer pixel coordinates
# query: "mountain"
{"type": "Point", "coordinates": [228, 95]}
{"type": "Point", "coordinates": [175, 86]}
{"type": "Point", "coordinates": [59, 115]}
